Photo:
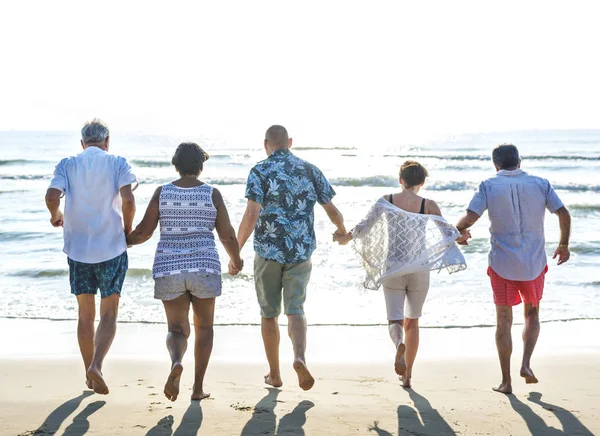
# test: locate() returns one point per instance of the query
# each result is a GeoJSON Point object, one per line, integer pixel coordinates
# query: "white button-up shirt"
{"type": "Point", "coordinates": [93, 224]}
{"type": "Point", "coordinates": [516, 204]}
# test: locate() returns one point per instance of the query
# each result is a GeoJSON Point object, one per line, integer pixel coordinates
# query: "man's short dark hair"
{"type": "Point", "coordinates": [189, 159]}
{"type": "Point", "coordinates": [413, 173]}
{"type": "Point", "coordinates": [506, 156]}
{"type": "Point", "coordinates": [277, 135]}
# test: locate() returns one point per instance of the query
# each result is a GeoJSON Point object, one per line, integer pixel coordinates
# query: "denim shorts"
{"type": "Point", "coordinates": [199, 284]}
{"type": "Point", "coordinates": [108, 276]}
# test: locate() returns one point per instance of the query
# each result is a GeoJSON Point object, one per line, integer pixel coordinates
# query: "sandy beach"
{"type": "Point", "coordinates": [356, 391]}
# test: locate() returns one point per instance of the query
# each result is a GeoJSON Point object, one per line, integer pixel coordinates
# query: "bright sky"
{"type": "Point", "coordinates": [333, 72]}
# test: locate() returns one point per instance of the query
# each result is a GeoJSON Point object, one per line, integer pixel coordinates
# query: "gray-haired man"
{"type": "Point", "coordinates": [516, 204]}
{"type": "Point", "coordinates": [99, 210]}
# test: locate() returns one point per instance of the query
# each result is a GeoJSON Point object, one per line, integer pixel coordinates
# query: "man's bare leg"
{"type": "Point", "coordinates": [270, 335]}
{"type": "Point", "coordinates": [109, 308]}
{"type": "Point", "coordinates": [396, 331]}
{"type": "Point", "coordinates": [504, 345]}
{"type": "Point", "coordinates": [177, 311]}
{"type": "Point", "coordinates": [411, 330]}
{"type": "Point", "coordinates": [297, 333]}
{"type": "Point", "coordinates": [204, 314]}
{"type": "Point", "coordinates": [531, 331]}
{"type": "Point", "coordinates": [86, 331]}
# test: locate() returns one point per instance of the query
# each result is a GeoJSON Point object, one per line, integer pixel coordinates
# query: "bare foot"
{"type": "Point", "coordinates": [400, 363]}
{"type": "Point", "coordinates": [198, 395]}
{"type": "Point", "coordinates": [98, 383]}
{"type": "Point", "coordinates": [405, 379]}
{"type": "Point", "coordinates": [273, 381]}
{"type": "Point", "coordinates": [528, 375]}
{"type": "Point", "coordinates": [88, 383]}
{"type": "Point", "coordinates": [172, 384]}
{"type": "Point", "coordinates": [504, 388]}
{"type": "Point", "coordinates": [305, 380]}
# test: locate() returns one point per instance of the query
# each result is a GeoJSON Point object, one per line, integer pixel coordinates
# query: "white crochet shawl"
{"type": "Point", "coordinates": [393, 242]}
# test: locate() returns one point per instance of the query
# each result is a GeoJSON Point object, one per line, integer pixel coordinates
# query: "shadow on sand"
{"type": "Point", "coordinates": [80, 424]}
{"type": "Point", "coordinates": [264, 420]}
{"type": "Point", "coordinates": [425, 420]}
{"type": "Point", "coordinates": [189, 426]}
{"type": "Point", "coordinates": [571, 425]}
{"type": "Point", "coordinates": [53, 422]}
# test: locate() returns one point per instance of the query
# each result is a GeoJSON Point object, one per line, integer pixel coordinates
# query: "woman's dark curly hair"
{"type": "Point", "coordinates": [189, 159]}
{"type": "Point", "coordinates": [413, 173]}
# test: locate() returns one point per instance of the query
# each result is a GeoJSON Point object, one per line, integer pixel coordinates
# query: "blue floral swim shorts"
{"type": "Point", "coordinates": [108, 276]}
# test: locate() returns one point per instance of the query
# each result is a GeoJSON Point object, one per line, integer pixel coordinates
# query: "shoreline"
{"type": "Point", "coordinates": [250, 324]}
{"type": "Point", "coordinates": [325, 344]}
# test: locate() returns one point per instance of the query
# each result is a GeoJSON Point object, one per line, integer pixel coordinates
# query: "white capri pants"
{"type": "Point", "coordinates": [408, 291]}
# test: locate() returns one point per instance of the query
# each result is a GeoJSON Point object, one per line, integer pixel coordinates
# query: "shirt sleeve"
{"type": "Point", "coordinates": [59, 181]}
{"type": "Point", "coordinates": [126, 176]}
{"type": "Point", "coordinates": [324, 190]}
{"type": "Point", "coordinates": [553, 203]}
{"type": "Point", "coordinates": [479, 204]}
{"type": "Point", "coordinates": [254, 187]}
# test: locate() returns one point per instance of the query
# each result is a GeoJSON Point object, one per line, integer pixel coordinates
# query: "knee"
{"type": "Point", "coordinates": [180, 328]}
{"type": "Point", "coordinates": [504, 317]}
{"type": "Point", "coordinates": [399, 322]}
{"type": "Point", "coordinates": [203, 331]}
{"type": "Point", "coordinates": [87, 317]}
{"type": "Point", "coordinates": [532, 313]}
{"type": "Point", "coordinates": [411, 323]}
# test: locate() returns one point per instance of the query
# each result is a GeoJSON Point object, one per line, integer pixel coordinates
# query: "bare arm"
{"type": "Point", "coordinates": [335, 216]}
{"type": "Point", "coordinates": [248, 222]}
{"type": "Point", "coordinates": [53, 205]}
{"type": "Point", "coordinates": [466, 222]}
{"type": "Point", "coordinates": [128, 208]}
{"type": "Point", "coordinates": [226, 232]}
{"type": "Point", "coordinates": [432, 208]}
{"type": "Point", "coordinates": [146, 227]}
{"type": "Point", "coordinates": [564, 220]}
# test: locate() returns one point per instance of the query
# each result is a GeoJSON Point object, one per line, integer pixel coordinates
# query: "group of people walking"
{"type": "Point", "coordinates": [400, 241]}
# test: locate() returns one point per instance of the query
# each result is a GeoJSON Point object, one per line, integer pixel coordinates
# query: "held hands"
{"type": "Point", "coordinates": [563, 254]}
{"type": "Point", "coordinates": [342, 239]}
{"type": "Point", "coordinates": [464, 237]}
{"type": "Point", "coordinates": [58, 219]}
{"type": "Point", "coordinates": [234, 268]}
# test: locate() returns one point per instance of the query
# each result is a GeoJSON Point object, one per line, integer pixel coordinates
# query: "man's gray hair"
{"type": "Point", "coordinates": [506, 156]}
{"type": "Point", "coordinates": [94, 131]}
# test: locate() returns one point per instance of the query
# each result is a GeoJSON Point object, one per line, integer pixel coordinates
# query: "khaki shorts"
{"type": "Point", "coordinates": [199, 284]}
{"type": "Point", "coordinates": [406, 292]}
{"type": "Point", "coordinates": [271, 278]}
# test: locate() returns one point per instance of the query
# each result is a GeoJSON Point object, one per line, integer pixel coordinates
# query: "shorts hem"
{"type": "Point", "coordinates": [76, 293]}
{"type": "Point", "coordinates": [294, 312]}
{"type": "Point", "coordinates": [108, 294]}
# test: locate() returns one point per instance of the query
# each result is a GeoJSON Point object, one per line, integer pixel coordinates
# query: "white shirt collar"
{"type": "Point", "coordinates": [512, 173]}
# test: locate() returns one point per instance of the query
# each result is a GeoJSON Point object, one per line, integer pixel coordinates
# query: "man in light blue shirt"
{"type": "Point", "coordinates": [99, 210]}
{"type": "Point", "coordinates": [516, 203]}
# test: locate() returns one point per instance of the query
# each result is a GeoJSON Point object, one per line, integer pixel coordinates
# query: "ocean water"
{"type": "Point", "coordinates": [34, 272]}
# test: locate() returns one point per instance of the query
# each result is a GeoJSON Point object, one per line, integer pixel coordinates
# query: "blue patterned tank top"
{"type": "Point", "coordinates": [187, 220]}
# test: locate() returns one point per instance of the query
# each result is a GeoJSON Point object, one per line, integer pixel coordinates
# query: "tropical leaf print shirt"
{"type": "Point", "coordinates": [287, 188]}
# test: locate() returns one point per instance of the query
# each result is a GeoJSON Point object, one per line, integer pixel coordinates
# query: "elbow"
{"type": "Point", "coordinates": [229, 238]}
{"type": "Point", "coordinates": [563, 212]}
{"type": "Point", "coordinates": [52, 198]}
{"type": "Point", "coordinates": [128, 200]}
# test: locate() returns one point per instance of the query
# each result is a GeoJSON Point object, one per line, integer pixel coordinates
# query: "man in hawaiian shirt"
{"type": "Point", "coordinates": [282, 191]}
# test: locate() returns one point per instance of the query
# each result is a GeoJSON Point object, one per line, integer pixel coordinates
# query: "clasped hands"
{"type": "Point", "coordinates": [342, 238]}
{"type": "Point", "coordinates": [234, 268]}
{"type": "Point", "coordinates": [464, 237]}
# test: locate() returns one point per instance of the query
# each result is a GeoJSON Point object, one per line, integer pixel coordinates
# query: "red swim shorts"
{"type": "Point", "coordinates": [510, 292]}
